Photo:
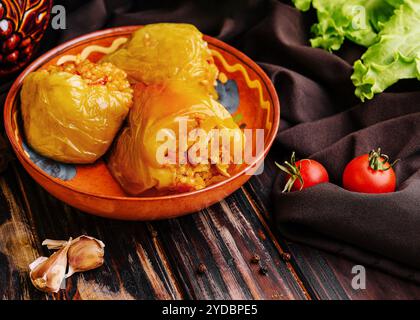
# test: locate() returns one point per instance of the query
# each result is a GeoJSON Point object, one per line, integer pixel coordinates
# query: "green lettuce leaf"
{"type": "Point", "coordinates": [356, 20]}
{"type": "Point", "coordinates": [302, 5]}
{"type": "Point", "coordinates": [395, 56]}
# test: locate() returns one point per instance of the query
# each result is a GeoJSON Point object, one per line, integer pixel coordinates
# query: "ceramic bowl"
{"type": "Point", "coordinates": [248, 94]}
{"type": "Point", "coordinates": [22, 25]}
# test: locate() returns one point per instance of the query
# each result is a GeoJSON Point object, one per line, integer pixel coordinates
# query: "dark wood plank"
{"type": "Point", "coordinates": [18, 247]}
{"type": "Point", "coordinates": [224, 238]}
{"type": "Point", "coordinates": [143, 260]}
{"type": "Point", "coordinates": [332, 276]}
{"type": "Point", "coordinates": [135, 265]}
{"type": "Point", "coordinates": [326, 276]}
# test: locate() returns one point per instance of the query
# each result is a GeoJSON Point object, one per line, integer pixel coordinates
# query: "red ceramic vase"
{"type": "Point", "coordinates": [22, 25]}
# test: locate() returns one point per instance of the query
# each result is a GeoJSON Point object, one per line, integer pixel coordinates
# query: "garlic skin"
{"type": "Point", "coordinates": [54, 244]}
{"type": "Point", "coordinates": [85, 253]}
{"type": "Point", "coordinates": [47, 274]}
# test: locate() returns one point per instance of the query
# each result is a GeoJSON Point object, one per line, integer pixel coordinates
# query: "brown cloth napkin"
{"type": "Point", "coordinates": [320, 119]}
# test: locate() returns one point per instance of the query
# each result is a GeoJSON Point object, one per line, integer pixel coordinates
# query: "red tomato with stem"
{"type": "Point", "coordinates": [303, 174]}
{"type": "Point", "coordinates": [370, 173]}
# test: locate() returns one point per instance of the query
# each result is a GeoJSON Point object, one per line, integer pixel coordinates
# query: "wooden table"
{"type": "Point", "coordinates": [159, 260]}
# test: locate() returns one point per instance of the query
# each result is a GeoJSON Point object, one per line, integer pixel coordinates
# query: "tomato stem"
{"type": "Point", "coordinates": [293, 171]}
{"type": "Point", "coordinates": [378, 161]}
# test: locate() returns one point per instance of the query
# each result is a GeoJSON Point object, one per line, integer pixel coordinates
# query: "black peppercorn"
{"type": "Point", "coordinates": [286, 256]}
{"type": "Point", "coordinates": [255, 259]}
{"type": "Point", "coordinates": [201, 268]}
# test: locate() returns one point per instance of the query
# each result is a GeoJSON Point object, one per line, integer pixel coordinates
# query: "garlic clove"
{"type": "Point", "coordinates": [85, 253]}
{"type": "Point", "coordinates": [47, 274]}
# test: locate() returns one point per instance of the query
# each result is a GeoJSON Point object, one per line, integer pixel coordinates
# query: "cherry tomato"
{"type": "Point", "coordinates": [370, 173]}
{"type": "Point", "coordinates": [303, 174]}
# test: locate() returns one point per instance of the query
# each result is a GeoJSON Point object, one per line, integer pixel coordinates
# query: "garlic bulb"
{"type": "Point", "coordinates": [81, 254]}
{"type": "Point", "coordinates": [47, 274]}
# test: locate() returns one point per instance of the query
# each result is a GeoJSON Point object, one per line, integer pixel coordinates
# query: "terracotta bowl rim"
{"type": "Point", "coordinates": [40, 61]}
